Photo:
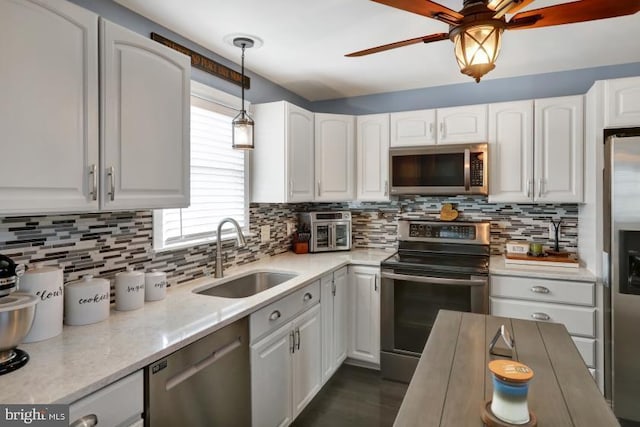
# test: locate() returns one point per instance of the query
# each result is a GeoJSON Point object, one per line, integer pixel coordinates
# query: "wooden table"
{"type": "Point", "coordinates": [452, 381]}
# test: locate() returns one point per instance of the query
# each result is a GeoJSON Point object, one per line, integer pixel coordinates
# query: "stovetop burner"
{"type": "Point", "coordinates": [17, 361]}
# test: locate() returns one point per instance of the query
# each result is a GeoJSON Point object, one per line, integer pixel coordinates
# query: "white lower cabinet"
{"type": "Point", "coordinates": [571, 303]}
{"type": "Point", "coordinates": [286, 363]}
{"type": "Point", "coordinates": [333, 296]}
{"type": "Point", "coordinates": [364, 320]}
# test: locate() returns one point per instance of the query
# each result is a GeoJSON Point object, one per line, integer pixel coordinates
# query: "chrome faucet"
{"type": "Point", "coordinates": [242, 242]}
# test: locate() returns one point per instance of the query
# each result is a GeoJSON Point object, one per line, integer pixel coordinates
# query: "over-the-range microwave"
{"type": "Point", "coordinates": [439, 169]}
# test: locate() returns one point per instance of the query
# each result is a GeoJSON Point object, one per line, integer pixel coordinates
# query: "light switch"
{"type": "Point", "coordinates": [265, 234]}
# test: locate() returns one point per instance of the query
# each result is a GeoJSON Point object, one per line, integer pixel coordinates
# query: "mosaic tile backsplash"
{"type": "Point", "coordinates": [103, 244]}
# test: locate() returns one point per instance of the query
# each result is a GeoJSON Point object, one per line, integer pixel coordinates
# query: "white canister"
{"type": "Point", "coordinates": [155, 285]}
{"type": "Point", "coordinates": [47, 283]}
{"type": "Point", "coordinates": [129, 290]}
{"type": "Point", "coordinates": [86, 301]}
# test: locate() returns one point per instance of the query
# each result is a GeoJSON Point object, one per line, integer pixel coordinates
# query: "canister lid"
{"type": "Point", "coordinates": [87, 280]}
{"type": "Point", "coordinates": [511, 371]}
{"type": "Point", "coordinates": [129, 272]}
{"type": "Point", "coordinates": [156, 273]}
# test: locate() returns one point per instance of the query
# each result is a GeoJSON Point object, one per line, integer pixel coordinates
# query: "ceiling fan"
{"type": "Point", "coordinates": [476, 30]}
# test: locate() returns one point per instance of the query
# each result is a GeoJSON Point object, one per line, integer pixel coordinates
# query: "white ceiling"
{"type": "Point", "coordinates": [305, 42]}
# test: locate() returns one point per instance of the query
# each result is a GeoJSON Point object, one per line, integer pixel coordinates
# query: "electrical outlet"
{"type": "Point", "coordinates": [290, 228]}
{"type": "Point", "coordinates": [265, 234]}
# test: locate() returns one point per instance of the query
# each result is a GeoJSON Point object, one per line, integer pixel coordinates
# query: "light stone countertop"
{"type": "Point", "coordinates": [497, 266]}
{"type": "Point", "coordinates": [86, 358]}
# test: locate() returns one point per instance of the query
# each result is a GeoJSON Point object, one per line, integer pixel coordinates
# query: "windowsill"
{"type": "Point", "coordinates": [199, 242]}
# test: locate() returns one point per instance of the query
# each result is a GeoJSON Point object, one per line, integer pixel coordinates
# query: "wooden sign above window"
{"type": "Point", "coordinates": [205, 64]}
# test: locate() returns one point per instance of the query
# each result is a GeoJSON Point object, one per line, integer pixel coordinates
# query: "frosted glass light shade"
{"type": "Point", "coordinates": [477, 49]}
{"type": "Point", "coordinates": [242, 137]}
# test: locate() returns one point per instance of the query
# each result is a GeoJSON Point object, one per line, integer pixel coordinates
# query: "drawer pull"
{"type": "Point", "coordinates": [86, 421]}
{"type": "Point", "coordinates": [541, 316]}
{"type": "Point", "coordinates": [540, 290]}
{"type": "Point", "coordinates": [307, 297]}
{"type": "Point", "coordinates": [275, 315]}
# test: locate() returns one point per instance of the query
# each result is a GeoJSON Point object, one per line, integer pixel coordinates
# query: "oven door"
{"type": "Point", "coordinates": [321, 237]}
{"type": "Point", "coordinates": [410, 304]}
{"type": "Point", "coordinates": [341, 235]}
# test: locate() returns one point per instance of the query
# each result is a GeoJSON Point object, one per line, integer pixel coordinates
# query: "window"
{"type": "Point", "coordinates": [219, 184]}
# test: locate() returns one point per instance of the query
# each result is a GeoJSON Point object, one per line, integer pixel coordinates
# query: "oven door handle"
{"type": "Point", "coordinates": [435, 280]}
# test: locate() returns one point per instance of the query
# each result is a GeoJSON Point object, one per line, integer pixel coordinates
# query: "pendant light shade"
{"type": "Point", "coordinates": [242, 136]}
{"type": "Point", "coordinates": [477, 48]}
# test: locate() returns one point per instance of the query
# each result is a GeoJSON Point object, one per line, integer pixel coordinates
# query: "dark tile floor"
{"type": "Point", "coordinates": [354, 397]}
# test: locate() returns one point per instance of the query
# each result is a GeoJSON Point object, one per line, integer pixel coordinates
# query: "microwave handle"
{"type": "Point", "coordinates": [467, 170]}
{"type": "Point", "coordinates": [331, 241]}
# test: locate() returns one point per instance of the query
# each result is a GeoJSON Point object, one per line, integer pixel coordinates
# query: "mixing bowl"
{"type": "Point", "coordinates": [16, 317]}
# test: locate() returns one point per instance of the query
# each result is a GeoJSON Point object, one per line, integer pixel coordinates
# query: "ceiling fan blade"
{"type": "Point", "coordinates": [426, 8]}
{"type": "Point", "coordinates": [424, 39]}
{"type": "Point", "coordinates": [502, 7]}
{"type": "Point", "coordinates": [576, 11]}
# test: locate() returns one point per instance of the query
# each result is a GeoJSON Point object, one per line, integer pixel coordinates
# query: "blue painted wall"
{"type": "Point", "coordinates": [547, 85]}
{"type": "Point", "coordinates": [262, 90]}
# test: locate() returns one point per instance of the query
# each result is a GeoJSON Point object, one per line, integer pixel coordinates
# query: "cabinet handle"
{"type": "Point", "coordinates": [93, 176]}
{"type": "Point", "coordinates": [442, 129]}
{"type": "Point", "coordinates": [290, 188]}
{"type": "Point", "coordinates": [86, 421]}
{"type": "Point", "coordinates": [298, 338]}
{"type": "Point", "coordinates": [318, 188]}
{"type": "Point", "coordinates": [541, 316]}
{"type": "Point", "coordinates": [275, 315]}
{"type": "Point", "coordinates": [375, 283]}
{"type": "Point", "coordinates": [529, 188]}
{"type": "Point", "coordinates": [431, 129]}
{"type": "Point", "coordinates": [539, 187]}
{"type": "Point", "coordinates": [307, 297]}
{"type": "Point", "coordinates": [386, 187]}
{"type": "Point", "coordinates": [112, 183]}
{"type": "Point", "coordinates": [540, 290]}
{"type": "Point", "coordinates": [333, 288]}
{"type": "Point", "coordinates": [293, 342]}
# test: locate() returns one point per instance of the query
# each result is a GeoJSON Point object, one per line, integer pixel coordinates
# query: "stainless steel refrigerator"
{"type": "Point", "coordinates": [622, 242]}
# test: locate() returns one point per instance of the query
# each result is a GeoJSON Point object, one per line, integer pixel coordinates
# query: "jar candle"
{"type": "Point", "coordinates": [510, 388]}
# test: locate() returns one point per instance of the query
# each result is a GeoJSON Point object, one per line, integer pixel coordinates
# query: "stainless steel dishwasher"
{"type": "Point", "coordinates": [207, 383]}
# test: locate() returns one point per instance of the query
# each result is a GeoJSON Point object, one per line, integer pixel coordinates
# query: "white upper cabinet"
{"type": "Point", "coordinates": [622, 102]}
{"type": "Point", "coordinates": [536, 150]}
{"type": "Point", "coordinates": [56, 129]}
{"type": "Point", "coordinates": [511, 152]}
{"type": "Point", "coordinates": [372, 153]}
{"type": "Point", "coordinates": [145, 100]}
{"type": "Point", "coordinates": [462, 124]}
{"type": "Point", "coordinates": [283, 159]}
{"type": "Point", "coordinates": [410, 128]}
{"type": "Point", "coordinates": [559, 146]}
{"type": "Point", "coordinates": [334, 157]}
{"type": "Point", "coordinates": [442, 126]}
{"type": "Point", "coordinates": [48, 107]}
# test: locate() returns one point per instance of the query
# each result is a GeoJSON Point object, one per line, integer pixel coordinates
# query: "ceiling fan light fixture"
{"type": "Point", "coordinates": [242, 124]}
{"type": "Point", "coordinates": [477, 48]}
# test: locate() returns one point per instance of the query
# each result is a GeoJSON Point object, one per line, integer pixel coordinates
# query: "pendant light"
{"type": "Point", "coordinates": [242, 137]}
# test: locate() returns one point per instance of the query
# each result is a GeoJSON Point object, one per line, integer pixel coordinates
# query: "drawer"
{"type": "Point", "coordinates": [543, 290]}
{"type": "Point", "coordinates": [120, 403]}
{"type": "Point", "coordinates": [587, 349]}
{"type": "Point", "coordinates": [278, 313]}
{"type": "Point", "coordinates": [578, 320]}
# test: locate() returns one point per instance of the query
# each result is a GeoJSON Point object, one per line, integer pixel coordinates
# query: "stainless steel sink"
{"type": "Point", "coordinates": [247, 285]}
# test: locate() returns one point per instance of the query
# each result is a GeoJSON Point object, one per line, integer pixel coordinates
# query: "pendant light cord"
{"type": "Point", "coordinates": [242, 83]}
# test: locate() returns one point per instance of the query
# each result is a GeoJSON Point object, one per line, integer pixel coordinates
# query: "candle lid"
{"type": "Point", "coordinates": [511, 371]}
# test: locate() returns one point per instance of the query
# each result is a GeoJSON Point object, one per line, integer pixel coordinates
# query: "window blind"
{"type": "Point", "coordinates": [217, 178]}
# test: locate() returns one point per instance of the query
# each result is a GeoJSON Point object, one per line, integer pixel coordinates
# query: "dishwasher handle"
{"type": "Point", "coordinates": [86, 421]}
{"type": "Point", "coordinates": [190, 371]}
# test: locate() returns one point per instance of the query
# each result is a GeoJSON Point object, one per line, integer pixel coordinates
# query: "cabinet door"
{"type": "Point", "coordinates": [410, 128]}
{"type": "Point", "coordinates": [462, 124]}
{"type": "Point", "coordinates": [511, 152]}
{"type": "Point", "coordinates": [307, 366]}
{"type": "Point", "coordinates": [365, 314]}
{"type": "Point", "coordinates": [622, 102]}
{"type": "Point", "coordinates": [145, 99]}
{"type": "Point", "coordinates": [48, 107]}
{"type": "Point", "coordinates": [372, 149]}
{"type": "Point", "coordinates": [340, 321]}
{"type": "Point", "coordinates": [300, 153]}
{"type": "Point", "coordinates": [558, 149]}
{"type": "Point", "coordinates": [327, 307]}
{"type": "Point", "coordinates": [271, 379]}
{"type": "Point", "coordinates": [334, 149]}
